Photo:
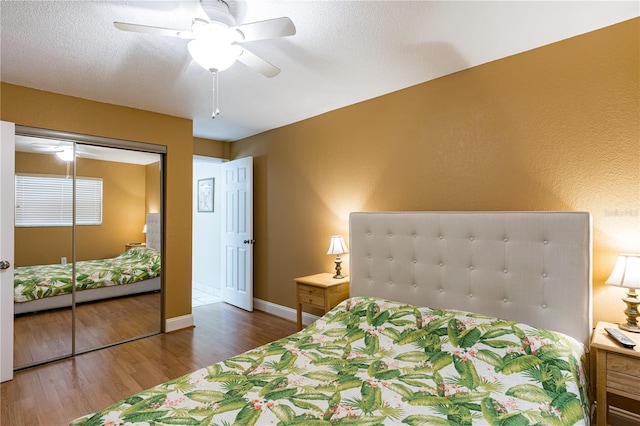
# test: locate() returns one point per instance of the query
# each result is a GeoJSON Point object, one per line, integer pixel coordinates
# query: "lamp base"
{"type": "Point", "coordinates": [629, 327]}
{"type": "Point", "coordinates": [338, 276]}
{"type": "Point", "coordinates": [632, 302]}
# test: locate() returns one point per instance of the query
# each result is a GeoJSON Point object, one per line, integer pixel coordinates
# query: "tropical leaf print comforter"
{"type": "Point", "coordinates": [37, 282]}
{"type": "Point", "coordinates": [371, 361]}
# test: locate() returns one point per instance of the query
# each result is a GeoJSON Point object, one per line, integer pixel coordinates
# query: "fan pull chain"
{"type": "Point", "coordinates": [216, 111]}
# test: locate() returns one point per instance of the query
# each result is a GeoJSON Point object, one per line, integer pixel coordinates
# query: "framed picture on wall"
{"type": "Point", "coordinates": [205, 195]}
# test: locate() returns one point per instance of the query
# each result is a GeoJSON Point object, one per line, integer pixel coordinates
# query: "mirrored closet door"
{"type": "Point", "coordinates": [43, 253]}
{"type": "Point", "coordinates": [99, 265]}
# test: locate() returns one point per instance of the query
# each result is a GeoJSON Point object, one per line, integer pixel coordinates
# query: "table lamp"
{"type": "Point", "coordinates": [626, 273]}
{"type": "Point", "coordinates": [338, 247]}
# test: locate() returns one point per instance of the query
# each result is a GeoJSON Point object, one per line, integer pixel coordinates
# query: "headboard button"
{"type": "Point", "coordinates": [470, 294]}
{"type": "Point", "coordinates": [505, 271]}
{"type": "Point", "coordinates": [471, 239]}
{"type": "Point", "coordinates": [544, 306]}
{"type": "Point", "coordinates": [441, 264]}
{"type": "Point", "coordinates": [544, 275]}
{"type": "Point", "coordinates": [545, 242]}
{"type": "Point", "coordinates": [506, 240]}
{"type": "Point", "coordinates": [441, 237]}
{"type": "Point", "coordinates": [505, 300]}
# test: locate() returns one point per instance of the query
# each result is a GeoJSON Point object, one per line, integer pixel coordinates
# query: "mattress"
{"type": "Point", "coordinates": [375, 361]}
{"type": "Point", "coordinates": [38, 282]}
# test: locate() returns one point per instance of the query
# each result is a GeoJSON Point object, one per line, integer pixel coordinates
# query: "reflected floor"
{"type": "Point", "coordinates": [45, 335]}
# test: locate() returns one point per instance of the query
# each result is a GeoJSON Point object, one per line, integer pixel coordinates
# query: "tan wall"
{"type": "Point", "coordinates": [556, 128]}
{"type": "Point", "coordinates": [153, 200]}
{"type": "Point", "coordinates": [211, 148]}
{"type": "Point", "coordinates": [123, 212]}
{"type": "Point", "coordinates": [35, 108]}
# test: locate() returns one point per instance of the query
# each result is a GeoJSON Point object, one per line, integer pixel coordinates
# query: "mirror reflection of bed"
{"type": "Point", "coordinates": [117, 299]}
{"type": "Point", "coordinates": [117, 283]}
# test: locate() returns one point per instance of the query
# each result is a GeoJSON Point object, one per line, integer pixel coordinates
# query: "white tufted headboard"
{"type": "Point", "coordinates": [531, 267]}
{"type": "Point", "coordinates": [154, 231]}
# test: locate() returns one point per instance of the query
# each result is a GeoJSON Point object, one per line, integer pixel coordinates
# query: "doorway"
{"type": "Point", "coordinates": [207, 226]}
{"type": "Point", "coordinates": [225, 257]}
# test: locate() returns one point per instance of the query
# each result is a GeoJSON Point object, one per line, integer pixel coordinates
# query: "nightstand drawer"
{"type": "Point", "coordinates": [624, 364]}
{"type": "Point", "coordinates": [622, 382]}
{"type": "Point", "coordinates": [311, 295]}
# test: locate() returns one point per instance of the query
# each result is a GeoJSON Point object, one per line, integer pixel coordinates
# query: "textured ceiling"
{"type": "Point", "coordinates": [344, 52]}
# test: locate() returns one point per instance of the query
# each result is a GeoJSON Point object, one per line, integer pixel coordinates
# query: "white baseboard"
{"type": "Point", "coordinates": [186, 321]}
{"type": "Point", "coordinates": [283, 311]}
{"type": "Point", "coordinates": [178, 323]}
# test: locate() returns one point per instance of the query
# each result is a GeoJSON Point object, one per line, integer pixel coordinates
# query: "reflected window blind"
{"type": "Point", "coordinates": [48, 200]}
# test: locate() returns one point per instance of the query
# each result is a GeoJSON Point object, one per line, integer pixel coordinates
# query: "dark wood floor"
{"type": "Point", "coordinates": [57, 393]}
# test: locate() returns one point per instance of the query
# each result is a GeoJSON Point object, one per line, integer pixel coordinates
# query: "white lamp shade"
{"type": "Point", "coordinates": [213, 56]}
{"type": "Point", "coordinates": [144, 229]}
{"type": "Point", "coordinates": [337, 245]}
{"type": "Point", "coordinates": [212, 49]}
{"type": "Point", "coordinates": [626, 272]}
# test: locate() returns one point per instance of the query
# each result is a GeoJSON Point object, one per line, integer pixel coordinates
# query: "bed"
{"type": "Point", "coordinates": [137, 270]}
{"type": "Point", "coordinates": [449, 323]}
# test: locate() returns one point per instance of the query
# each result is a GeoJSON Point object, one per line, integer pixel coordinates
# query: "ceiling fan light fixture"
{"type": "Point", "coordinates": [66, 154]}
{"type": "Point", "coordinates": [212, 54]}
{"type": "Point", "coordinates": [218, 10]}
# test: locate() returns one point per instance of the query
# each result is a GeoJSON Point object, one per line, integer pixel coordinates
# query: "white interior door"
{"type": "Point", "coordinates": [237, 233]}
{"type": "Point", "coordinates": [7, 189]}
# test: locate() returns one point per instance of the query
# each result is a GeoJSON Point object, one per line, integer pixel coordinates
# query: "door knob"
{"type": "Point", "coordinates": [249, 241]}
{"type": "Point", "coordinates": [4, 264]}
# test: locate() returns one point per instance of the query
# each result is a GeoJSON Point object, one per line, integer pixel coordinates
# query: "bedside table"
{"type": "Point", "coordinates": [617, 368]}
{"type": "Point", "coordinates": [320, 291]}
{"type": "Point", "coordinates": [133, 245]}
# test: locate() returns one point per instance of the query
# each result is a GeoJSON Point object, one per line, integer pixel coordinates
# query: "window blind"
{"type": "Point", "coordinates": [48, 200]}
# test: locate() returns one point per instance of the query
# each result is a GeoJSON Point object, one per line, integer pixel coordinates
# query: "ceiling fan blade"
{"type": "Point", "coordinates": [47, 148]}
{"type": "Point", "coordinates": [258, 64]}
{"type": "Point", "coordinates": [136, 28]}
{"type": "Point", "coordinates": [271, 28]}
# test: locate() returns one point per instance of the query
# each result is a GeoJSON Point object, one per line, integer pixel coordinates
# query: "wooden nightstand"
{"type": "Point", "coordinates": [320, 291]}
{"type": "Point", "coordinates": [617, 368]}
{"type": "Point", "coordinates": [133, 245]}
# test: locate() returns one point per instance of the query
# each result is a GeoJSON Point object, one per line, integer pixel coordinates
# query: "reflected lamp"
{"type": "Point", "coordinates": [337, 247]}
{"type": "Point", "coordinates": [626, 273]}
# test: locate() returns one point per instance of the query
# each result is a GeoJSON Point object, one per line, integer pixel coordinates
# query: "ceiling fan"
{"type": "Point", "coordinates": [63, 150]}
{"type": "Point", "coordinates": [215, 43]}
